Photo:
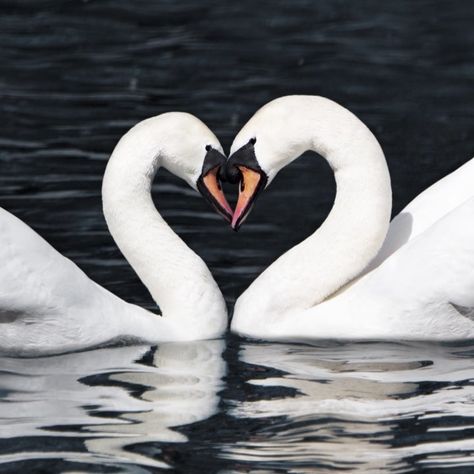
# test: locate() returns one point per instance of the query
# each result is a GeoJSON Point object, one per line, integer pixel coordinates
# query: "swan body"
{"type": "Point", "coordinates": [48, 305]}
{"type": "Point", "coordinates": [357, 276]}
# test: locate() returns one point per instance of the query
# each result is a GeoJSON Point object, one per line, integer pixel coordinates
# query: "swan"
{"type": "Point", "coordinates": [48, 305]}
{"type": "Point", "coordinates": [357, 276]}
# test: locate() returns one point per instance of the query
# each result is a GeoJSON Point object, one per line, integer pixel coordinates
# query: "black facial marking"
{"type": "Point", "coordinates": [212, 159]}
{"type": "Point", "coordinates": [244, 156]}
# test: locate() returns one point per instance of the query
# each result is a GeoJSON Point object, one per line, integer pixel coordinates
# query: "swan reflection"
{"type": "Point", "coordinates": [352, 406]}
{"type": "Point", "coordinates": [110, 398]}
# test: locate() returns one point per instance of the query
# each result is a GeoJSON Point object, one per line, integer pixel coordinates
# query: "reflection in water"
{"type": "Point", "coordinates": [110, 399]}
{"type": "Point", "coordinates": [371, 407]}
{"type": "Point", "coordinates": [362, 407]}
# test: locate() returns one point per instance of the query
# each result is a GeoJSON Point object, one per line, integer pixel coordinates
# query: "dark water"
{"type": "Point", "coordinates": [74, 76]}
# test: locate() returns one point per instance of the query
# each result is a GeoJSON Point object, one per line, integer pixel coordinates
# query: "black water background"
{"type": "Point", "coordinates": [75, 75]}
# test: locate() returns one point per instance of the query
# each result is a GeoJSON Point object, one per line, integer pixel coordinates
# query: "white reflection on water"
{"type": "Point", "coordinates": [363, 407]}
{"type": "Point", "coordinates": [112, 398]}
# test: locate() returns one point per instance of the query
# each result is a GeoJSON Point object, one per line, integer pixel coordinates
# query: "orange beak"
{"type": "Point", "coordinates": [250, 185]}
{"type": "Point", "coordinates": [212, 191]}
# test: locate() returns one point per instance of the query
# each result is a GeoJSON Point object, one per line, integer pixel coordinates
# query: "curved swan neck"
{"type": "Point", "coordinates": [177, 278]}
{"type": "Point", "coordinates": [355, 228]}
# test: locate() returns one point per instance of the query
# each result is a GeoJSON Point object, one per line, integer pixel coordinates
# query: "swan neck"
{"type": "Point", "coordinates": [356, 226]}
{"type": "Point", "coordinates": [177, 279]}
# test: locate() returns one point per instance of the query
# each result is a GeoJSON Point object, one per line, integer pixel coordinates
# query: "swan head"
{"type": "Point", "coordinates": [176, 141]}
{"type": "Point", "coordinates": [192, 152]}
{"type": "Point", "coordinates": [265, 145]}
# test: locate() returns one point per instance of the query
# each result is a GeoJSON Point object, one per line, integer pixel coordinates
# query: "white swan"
{"type": "Point", "coordinates": [421, 283]}
{"type": "Point", "coordinates": [48, 305]}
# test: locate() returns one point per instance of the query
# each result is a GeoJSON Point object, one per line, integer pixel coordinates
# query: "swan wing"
{"type": "Point", "coordinates": [46, 301]}
{"type": "Point", "coordinates": [35, 279]}
{"type": "Point", "coordinates": [431, 205]}
{"type": "Point", "coordinates": [424, 291]}
{"type": "Point", "coordinates": [426, 288]}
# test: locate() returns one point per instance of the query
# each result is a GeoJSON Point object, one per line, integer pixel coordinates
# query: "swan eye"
{"type": "Point", "coordinates": [208, 147]}
{"type": "Point", "coordinates": [253, 141]}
